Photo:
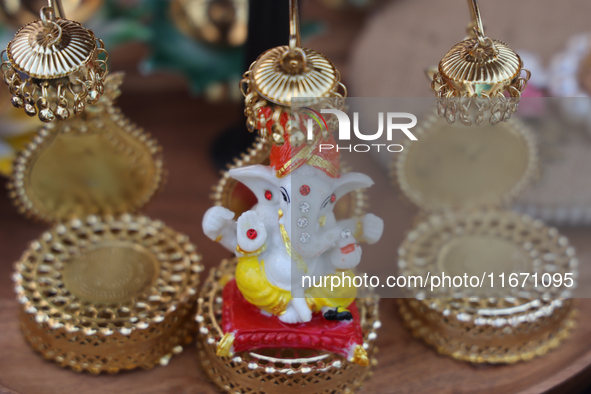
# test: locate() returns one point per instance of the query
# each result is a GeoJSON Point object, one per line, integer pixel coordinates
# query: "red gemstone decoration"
{"type": "Point", "coordinates": [333, 198]}
{"type": "Point", "coordinates": [268, 195]}
{"type": "Point", "coordinates": [251, 233]}
{"type": "Point", "coordinates": [305, 190]}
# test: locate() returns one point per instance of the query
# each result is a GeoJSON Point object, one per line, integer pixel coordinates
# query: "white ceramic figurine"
{"type": "Point", "coordinates": [292, 230]}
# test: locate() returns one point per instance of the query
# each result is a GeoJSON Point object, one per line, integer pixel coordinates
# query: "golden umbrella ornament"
{"type": "Point", "coordinates": [479, 78]}
{"type": "Point", "coordinates": [284, 73]}
{"type": "Point", "coordinates": [54, 65]}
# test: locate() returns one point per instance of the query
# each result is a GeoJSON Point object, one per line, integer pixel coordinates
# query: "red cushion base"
{"type": "Point", "coordinates": [253, 330]}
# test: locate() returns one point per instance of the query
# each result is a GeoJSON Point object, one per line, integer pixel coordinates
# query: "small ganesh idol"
{"type": "Point", "coordinates": [288, 247]}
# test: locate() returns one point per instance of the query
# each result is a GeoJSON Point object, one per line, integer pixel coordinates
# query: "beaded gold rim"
{"type": "Point", "coordinates": [355, 205]}
{"type": "Point", "coordinates": [433, 125]}
{"type": "Point", "coordinates": [76, 313]}
{"type": "Point", "coordinates": [489, 343]}
{"type": "Point", "coordinates": [126, 138]}
{"type": "Point", "coordinates": [281, 371]}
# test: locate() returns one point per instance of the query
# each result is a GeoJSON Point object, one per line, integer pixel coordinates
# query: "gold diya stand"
{"type": "Point", "coordinates": [102, 290]}
{"type": "Point", "coordinates": [106, 294]}
{"type": "Point", "coordinates": [272, 371]}
{"type": "Point", "coordinates": [462, 178]}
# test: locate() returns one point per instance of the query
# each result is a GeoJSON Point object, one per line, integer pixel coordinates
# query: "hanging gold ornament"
{"type": "Point", "coordinates": [20, 12]}
{"type": "Point", "coordinates": [284, 73]}
{"type": "Point", "coordinates": [54, 65]}
{"type": "Point", "coordinates": [97, 163]}
{"type": "Point", "coordinates": [479, 78]}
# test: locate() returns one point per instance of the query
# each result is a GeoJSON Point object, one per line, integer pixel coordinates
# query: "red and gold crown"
{"type": "Point", "coordinates": [319, 153]}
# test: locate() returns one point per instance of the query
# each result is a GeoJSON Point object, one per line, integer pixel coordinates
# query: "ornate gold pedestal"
{"type": "Point", "coordinates": [276, 371]}
{"type": "Point", "coordinates": [103, 295]}
{"type": "Point", "coordinates": [503, 323]}
{"type": "Point", "coordinates": [462, 178]}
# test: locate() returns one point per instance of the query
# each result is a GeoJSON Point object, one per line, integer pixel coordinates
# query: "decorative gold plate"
{"type": "Point", "coordinates": [106, 294]}
{"type": "Point", "coordinates": [489, 324]}
{"type": "Point", "coordinates": [452, 167]}
{"type": "Point", "coordinates": [100, 164]}
{"type": "Point", "coordinates": [276, 372]}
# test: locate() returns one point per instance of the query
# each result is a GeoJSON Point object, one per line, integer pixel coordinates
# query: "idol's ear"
{"type": "Point", "coordinates": [348, 182]}
{"type": "Point", "coordinates": [261, 180]}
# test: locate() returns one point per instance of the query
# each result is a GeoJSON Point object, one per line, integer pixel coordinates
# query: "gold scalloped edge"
{"type": "Point", "coordinates": [432, 124]}
{"type": "Point", "coordinates": [248, 372]}
{"type": "Point", "coordinates": [434, 339]}
{"type": "Point", "coordinates": [16, 185]}
{"type": "Point", "coordinates": [56, 334]}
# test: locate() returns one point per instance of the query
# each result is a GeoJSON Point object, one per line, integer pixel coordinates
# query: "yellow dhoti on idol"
{"type": "Point", "coordinates": [256, 288]}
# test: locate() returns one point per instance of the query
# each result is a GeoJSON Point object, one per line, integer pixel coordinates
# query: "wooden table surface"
{"type": "Point", "coordinates": [186, 130]}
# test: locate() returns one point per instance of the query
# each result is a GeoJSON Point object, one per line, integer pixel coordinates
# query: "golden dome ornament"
{"type": "Point", "coordinates": [284, 73]}
{"type": "Point", "coordinates": [479, 78]}
{"type": "Point", "coordinates": [54, 66]}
